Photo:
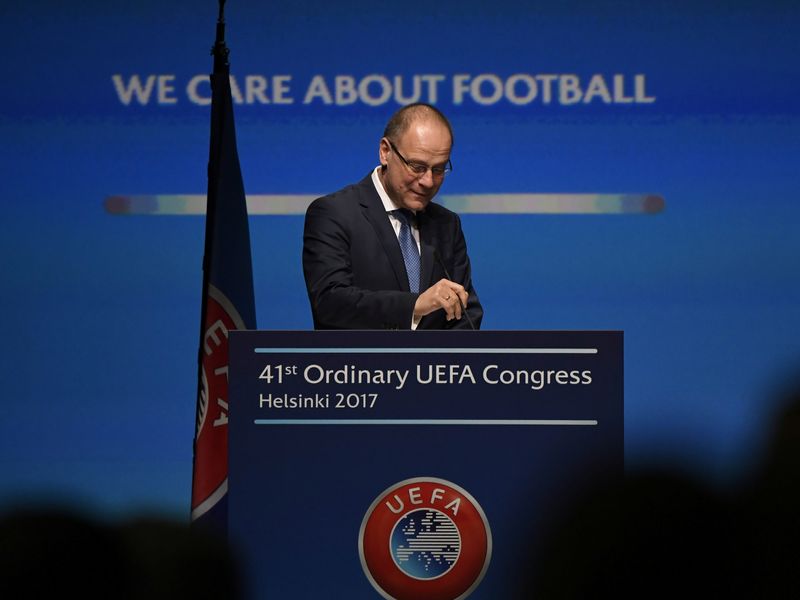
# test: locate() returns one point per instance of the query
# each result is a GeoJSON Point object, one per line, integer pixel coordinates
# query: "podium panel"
{"type": "Point", "coordinates": [366, 464]}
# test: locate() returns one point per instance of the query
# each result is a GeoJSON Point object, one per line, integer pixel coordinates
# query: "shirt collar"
{"type": "Point", "coordinates": [388, 203]}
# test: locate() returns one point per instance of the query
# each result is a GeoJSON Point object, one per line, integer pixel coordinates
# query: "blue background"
{"type": "Point", "coordinates": [101, 312]}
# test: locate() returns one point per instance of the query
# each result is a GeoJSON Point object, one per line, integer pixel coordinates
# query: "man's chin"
{"type": "Point", "coordinates": [417, 202]}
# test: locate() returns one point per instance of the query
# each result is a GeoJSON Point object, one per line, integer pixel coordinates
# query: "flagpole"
{"type": "Point", "coordinates": [220, 53]}
{"type": "Point", "coordinates": [220, 50]}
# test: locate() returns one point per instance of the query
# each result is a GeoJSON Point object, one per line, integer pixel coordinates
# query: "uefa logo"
{"type": "Point", "coordinates": [425, 538]}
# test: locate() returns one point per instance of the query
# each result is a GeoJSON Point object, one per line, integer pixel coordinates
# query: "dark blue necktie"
{"type": "Point", "coordinates": [408, 246]}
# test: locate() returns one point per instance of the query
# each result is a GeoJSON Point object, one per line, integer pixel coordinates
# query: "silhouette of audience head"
{"type": "Point", "coordinates": [51, 553]}
{"type": "Point", "coordinates": [663, 533]}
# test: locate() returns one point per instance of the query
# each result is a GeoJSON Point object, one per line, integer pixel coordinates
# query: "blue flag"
{"type": "Point", "coordinates": [228, 300]}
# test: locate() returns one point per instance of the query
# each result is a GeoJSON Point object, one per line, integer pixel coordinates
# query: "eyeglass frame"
{"type": "Point", "coordinates": [419, 169]}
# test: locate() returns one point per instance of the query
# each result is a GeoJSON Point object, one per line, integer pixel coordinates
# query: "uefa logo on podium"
{"type": "Point", "coordinates": [425, 538]}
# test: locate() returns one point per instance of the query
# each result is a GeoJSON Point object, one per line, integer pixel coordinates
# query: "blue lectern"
{"type": "Point", "coordinates": [413, 465]}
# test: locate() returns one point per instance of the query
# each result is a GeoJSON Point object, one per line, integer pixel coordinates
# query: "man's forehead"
{"type": "Point", "coordinates": [426, 125]}
{"type": "Point", "coordinates": [426, 135]}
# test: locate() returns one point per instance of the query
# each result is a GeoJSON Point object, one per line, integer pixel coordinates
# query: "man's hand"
{"type": "Point", "coordinates": [444, 294]}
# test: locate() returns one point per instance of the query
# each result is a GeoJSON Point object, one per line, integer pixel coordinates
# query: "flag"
{"type": "Point", "coordinates": [228, 300]}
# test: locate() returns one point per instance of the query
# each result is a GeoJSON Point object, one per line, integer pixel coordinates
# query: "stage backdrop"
{"type": "Point", "coordinates": [618, 166]}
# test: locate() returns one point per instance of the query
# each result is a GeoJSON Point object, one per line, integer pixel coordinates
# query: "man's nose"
{"type": "Point", "coordinates": [427, 179]}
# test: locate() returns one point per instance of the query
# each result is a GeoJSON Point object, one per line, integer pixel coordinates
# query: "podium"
{"type": "Point", "coordinates": [426, 464]}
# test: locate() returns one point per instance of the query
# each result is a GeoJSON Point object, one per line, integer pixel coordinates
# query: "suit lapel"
{"type": "Point", "coordinates": [427, 242]}
{"type": "Point", "coordinates": [375, 214]}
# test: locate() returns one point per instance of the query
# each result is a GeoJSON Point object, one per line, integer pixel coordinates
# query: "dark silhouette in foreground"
{"type": "Point", "coordinates": [662, 533]}
{"type": "Point", "coordinates": [54, 552]}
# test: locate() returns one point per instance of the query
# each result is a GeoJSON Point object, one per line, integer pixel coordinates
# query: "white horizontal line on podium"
{"type": "Point", "coordinates": [425, 350]}
{"type": "Point", "coordinates": [526, 422]}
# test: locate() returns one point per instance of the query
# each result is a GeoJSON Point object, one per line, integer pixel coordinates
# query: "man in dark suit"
{"type": "Point", "coordinates": [379, 254]}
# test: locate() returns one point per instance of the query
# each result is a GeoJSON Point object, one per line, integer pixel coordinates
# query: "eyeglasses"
{"type": "Point", "coordinates": [420, 169]}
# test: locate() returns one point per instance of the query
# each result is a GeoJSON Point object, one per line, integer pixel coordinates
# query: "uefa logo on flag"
{"type": "Point", "coordinates": [425, 538]}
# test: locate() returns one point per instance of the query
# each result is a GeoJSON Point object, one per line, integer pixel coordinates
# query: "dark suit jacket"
{"type": "Point", "coordinates": [354, 270]}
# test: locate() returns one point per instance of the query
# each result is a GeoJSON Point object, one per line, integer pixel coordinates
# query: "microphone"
{"type": "Point", "coordinates": [447, 274]}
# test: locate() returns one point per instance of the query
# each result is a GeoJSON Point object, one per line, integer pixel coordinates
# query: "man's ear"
{"type": "Point", "coordinates": [383, 151]}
